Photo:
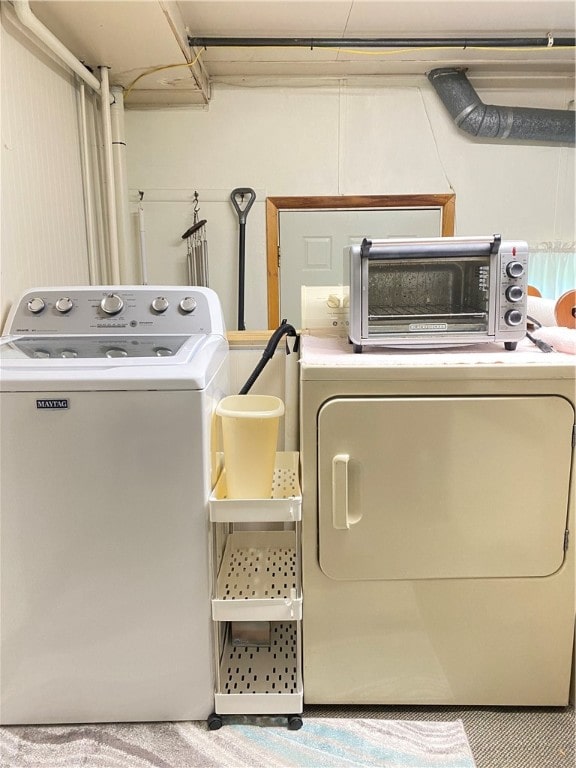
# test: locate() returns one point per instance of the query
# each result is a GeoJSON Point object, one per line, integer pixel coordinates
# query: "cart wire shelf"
{"type": "Point", "coordinates": [261, 669]}
{"type": "Point", "coordinates": [257, 578]}
{"type": "Point", "coordinates": [284, 503]}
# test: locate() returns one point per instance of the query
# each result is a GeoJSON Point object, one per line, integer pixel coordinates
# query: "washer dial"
{"type": "Point", "coordinates": [36, 305]}
{"type": "Point", "coordinates": [112, 304]}
{"type": "Point", "coordinates": [160, 304]}
{"type": "Point", "coordinates": [188, 304]}
{"type": "Point", "coordinates": [64, 304]}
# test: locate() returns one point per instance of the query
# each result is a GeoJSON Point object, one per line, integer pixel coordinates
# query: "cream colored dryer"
{"type": "Point", "coordinates": [437, 560]}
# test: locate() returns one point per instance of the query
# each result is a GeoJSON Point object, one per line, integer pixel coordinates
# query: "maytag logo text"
{"type": "Point", "coordinates": [51, 404]}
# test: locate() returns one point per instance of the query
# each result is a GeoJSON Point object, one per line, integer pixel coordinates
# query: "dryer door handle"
{"type": "Point", "coordinates": [340, 519]}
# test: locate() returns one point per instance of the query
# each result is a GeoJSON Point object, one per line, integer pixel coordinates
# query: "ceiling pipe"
{"type": "Point", "coordinates": [126, 263]}
{"type": "Point", "coordinates": [363, 42]}
{"type": "Point", "coordinates": [88, 184]}
{"type": "Point", "coordinates": [27, 18]}
{"type": "Point", "coordinates": [470, 114]}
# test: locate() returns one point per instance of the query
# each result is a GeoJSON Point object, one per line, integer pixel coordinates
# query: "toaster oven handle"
{"type": "Point", "coordinates": [458, 246]}
{"type": "Point", "coordinates": [340, 519]}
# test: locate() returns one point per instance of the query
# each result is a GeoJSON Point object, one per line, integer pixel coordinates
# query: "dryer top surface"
{"type": "Point", "coordinates": [327, 357]}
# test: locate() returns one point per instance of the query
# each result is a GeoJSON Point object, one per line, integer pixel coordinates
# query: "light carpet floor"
{"type": "Point", "coordinates": [321, 743]}
{"type": "Point", "coordinates": [500, 737]}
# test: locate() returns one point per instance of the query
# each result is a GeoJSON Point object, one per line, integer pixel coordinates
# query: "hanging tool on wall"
{"type": "Point", "coordinates": [197, 249]}
{"type": "Point", "coordinates": [242, 206]}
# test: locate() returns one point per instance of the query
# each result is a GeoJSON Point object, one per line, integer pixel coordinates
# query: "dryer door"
{"type": "Point", "coordinates": [443, 487]}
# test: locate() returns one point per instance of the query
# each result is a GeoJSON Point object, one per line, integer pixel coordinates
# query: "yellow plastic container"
{"type": "Point", "coordinates": [250, 436]}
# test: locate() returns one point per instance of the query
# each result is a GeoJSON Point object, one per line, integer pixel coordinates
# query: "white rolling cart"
{"type": "Point", "coordinates": [257, 599]}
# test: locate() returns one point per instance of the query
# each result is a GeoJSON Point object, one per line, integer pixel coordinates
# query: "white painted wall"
{"type": "Point", "coordinates": [393, 137]}
{"type": "Point", "coordinates": [43, 234]}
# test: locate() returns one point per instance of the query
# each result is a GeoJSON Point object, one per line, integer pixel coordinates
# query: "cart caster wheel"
{"type": "Point", "coordinates": [214, 722]}
{"type": "Point", "coordinates": [357, 348]}
{"type": "Point", "coordinates": [510, 345]}
{"type": "Point", "coordinates": [294, 723]}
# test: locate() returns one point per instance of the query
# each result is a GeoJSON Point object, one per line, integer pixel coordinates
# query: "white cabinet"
{"type": "Point", "coordinates": [257, 599]}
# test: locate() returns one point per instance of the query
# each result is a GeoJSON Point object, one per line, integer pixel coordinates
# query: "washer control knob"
{"type": "Point", "coordinates": [162, 352]}
{"type": "Point", "coordinates": [188, 304]}
{"type": "Point", "coordinates": [64, 304]}
{"type": "Point", "coordinates": [116, 352]}
{"type": "Point", "coordinates": [514, 269]}
{"type": "Point", "coordinates": [513, 317]}
{"type": "Point", "coordinates": [514, 293]}
{"type": "Point", "coordinates": [112, 304]}
{"type": "Point", "coordinates": [69, 353]}
{"type": "Point", "coordinates": [160, 304]}
{"type": "Point", "coordinates": [36, 305]}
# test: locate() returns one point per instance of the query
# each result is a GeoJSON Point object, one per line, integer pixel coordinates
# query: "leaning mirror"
{"type": "Point", "coordinates": [306, 237]}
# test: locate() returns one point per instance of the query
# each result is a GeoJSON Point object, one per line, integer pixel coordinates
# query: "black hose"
{"type": "Point", "coordinates": [284, 329]}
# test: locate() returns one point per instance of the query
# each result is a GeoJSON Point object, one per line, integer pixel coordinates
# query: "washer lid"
{"type": "Point", "coordinates": [131, 350]}
{"type": "Point", "coordinates": [102, 362]}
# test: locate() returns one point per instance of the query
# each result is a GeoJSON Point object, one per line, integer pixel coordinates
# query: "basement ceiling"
{"type": "Point", "coordinates": [142, 41]}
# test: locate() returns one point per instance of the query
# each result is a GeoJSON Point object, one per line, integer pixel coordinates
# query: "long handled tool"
{"type": "Point", "coordinates": [238, 200]}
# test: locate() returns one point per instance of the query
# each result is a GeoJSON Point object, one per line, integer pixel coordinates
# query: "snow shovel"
{"type": "Point", "coordinates": [237, 198]}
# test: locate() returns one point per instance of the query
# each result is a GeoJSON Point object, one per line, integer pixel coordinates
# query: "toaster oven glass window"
{"type": "Point", "coordinates": [428, 295]}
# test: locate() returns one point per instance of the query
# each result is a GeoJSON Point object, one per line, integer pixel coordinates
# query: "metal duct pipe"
{"type": "Point", "coordinates": [553, 126]}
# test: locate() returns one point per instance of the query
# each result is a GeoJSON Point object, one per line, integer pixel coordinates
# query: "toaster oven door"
{"type": "Point", "coordinates": [426, 296]}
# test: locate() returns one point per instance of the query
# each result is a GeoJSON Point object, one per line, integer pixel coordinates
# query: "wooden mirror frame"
{"type": "Point", "coordinates": [447, 202]}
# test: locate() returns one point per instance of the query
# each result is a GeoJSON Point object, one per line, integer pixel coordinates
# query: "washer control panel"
{"type": "Point", "coordinates": [117, 310]}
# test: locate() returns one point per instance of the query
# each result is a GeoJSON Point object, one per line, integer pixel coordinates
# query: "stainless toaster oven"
{"type": "Point", "coordinates": [437, 291]}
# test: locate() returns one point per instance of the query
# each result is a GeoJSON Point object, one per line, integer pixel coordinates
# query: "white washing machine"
{"type": "Point", "coordinates": [437, 525]}
{"type": "Point", "coordinates": [107, 399]}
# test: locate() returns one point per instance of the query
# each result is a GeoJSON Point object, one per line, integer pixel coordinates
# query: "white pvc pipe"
{"type": "Point", "coordinates": [93, 266]}
{"type": "Point", "coordinates": [110, 188]}
{"type": "Point", "coordinates": [291, 379]}
{"type": "Point", "coordinates": [128, 271]}
{"type": "Point", "coordinates": [27, 18]}
{"type": "Point", "coordinates": [142, 233]}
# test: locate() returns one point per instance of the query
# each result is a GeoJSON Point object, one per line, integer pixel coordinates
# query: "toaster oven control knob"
{"type": "Point", "coordinates": [188, 304]}
{"type": "Point", "coordinates": [112, 304]}
{"type": "Point", "coordinates": [514, 269]}
{"type": "Point", "coordinates": [514, 293]}
{"type": "Point", "coordinates": [36, 305]}
{"type": "Point", "coordinates": [160, 304]}
{"type": "Point", "coordinates": [513, 317]}
{"type": "Point", "coordinates": [64, 304]}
